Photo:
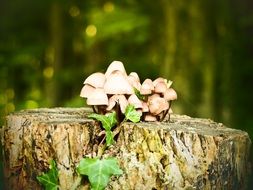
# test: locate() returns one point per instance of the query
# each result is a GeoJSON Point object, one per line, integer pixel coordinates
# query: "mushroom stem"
{"type": "Point", "coordinates": [164, 114]}
{"type": "Point", "coordinates": [170, 102]}
{"type": "Point", "coordinates": [93, 108]}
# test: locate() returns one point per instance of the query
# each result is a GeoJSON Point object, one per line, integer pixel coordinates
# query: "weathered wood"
{"type": "Point", "coordinates": [187, 153]}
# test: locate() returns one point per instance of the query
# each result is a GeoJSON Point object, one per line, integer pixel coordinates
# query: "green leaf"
{"type": "Point", "coordinates": [131, 114]}
{"type": "Point", "coordinates": [99, 171]}
{"type": "Point", "coordinates": [50, 179]}
{"type": "Point", "coordinates": [108, 121]}
{"type": "Point", "coordinates": [109, 138]}
{"type": "Point", "coordinates": [138, 94]}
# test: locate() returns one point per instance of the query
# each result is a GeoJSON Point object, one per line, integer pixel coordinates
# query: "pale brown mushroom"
{"type": "Point", "coordinates": [86, 90]}
{"type": "Point", "coordinates": [159, 79]}
{"type": "Point", "coordinates": [145, 107]}
{"type": "Point", "coordinates": [135, 75]}
{"type": "Point", "coordinates": [157, 104]}
{"type": "Point", "coordinates": [134, 100]}
{"type": "Point", "coordinates": [117, 99]}
{"type": "Point", "coordinates": [149, 117]}
{"type": "Point", "coordinates": [170, 94]}
{"type": "Point", "coordinates": [117, 83]}
{"type": "Point", "coordinates": [96, 80]}
{"type": "Point", "coordinates": [160, 87]}
{"type": "Point", "coordinates": [97, 97]}
{"type": "Point", "coordinates": [134, 82]}
{"type": "Point", "coordinates": [147, 87]}
{"type": "Point", "coordinates": [115, 66]}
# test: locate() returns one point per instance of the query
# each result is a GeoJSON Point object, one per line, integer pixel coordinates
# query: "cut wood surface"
{"type": "Point", "coordinates": [185, 153]}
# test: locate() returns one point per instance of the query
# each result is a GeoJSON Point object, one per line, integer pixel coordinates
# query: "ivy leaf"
{"type": "Point", "coordinates": [138, 94]}
{"type": "Point", "coordinates": [108, 121]}
{"type": "Point", "coordinates": [99, 171]}
{"type": "Point", "coordinates": [109, 138]}
{"type": "Point", "coordinates": [50, 179]}
{"type": "Point", "coordinates": [131, 114]}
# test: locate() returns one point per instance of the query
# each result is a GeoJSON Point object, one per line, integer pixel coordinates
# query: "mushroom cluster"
{"type": "Point", "coordinates": [114, 90]}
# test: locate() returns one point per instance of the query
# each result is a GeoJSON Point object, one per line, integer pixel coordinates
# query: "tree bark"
{"type": "Point", "coordinates": [185, 153]}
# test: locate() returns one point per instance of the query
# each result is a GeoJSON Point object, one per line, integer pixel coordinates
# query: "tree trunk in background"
{"type": "Point", "coordinates": [54, 54]}
{"type": "Point", "coordinates": [186, 153]}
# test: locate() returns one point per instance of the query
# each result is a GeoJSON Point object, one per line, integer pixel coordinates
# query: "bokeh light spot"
{"type": "Point", "coordinates": [9, 107]}
{"type": "Point", "coordinates": [31, 104]}
{"type": "Point", "coordinates": [10, 93]}
{"type": "Point", "coordinates": [91, 30]}
{"type": "Point", "coordinates": [48, 72]}
{"type": "Point", "coordinates": [108, 7]}
{"type": "Point", "coordinates": [74, 11]}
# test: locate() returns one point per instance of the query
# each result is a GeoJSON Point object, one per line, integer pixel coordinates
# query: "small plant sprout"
{"type": "Point", "coordinates": [114, 90]}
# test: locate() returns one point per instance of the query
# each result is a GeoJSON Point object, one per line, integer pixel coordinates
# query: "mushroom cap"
{"type": "Point", "coordinates": [120, 99]}
{"type": "Point", "coordinates": [86, 90]}
{"type": "Point", "coordinates": [159, 79]}
{"type": "Point", "coordinates": [160, 87]}
{"type": "Point", "coordinates": [133, 99]}
{"type": "Point", "coordinates": [147, 87]}
{"type": "Point", "coordinates": [150, 117]}
{"type": "Point", "coordinates": [134, 82]}
{"type": "Point", "coordinates": [135, 75]}
{"type": "Point", "coordinates": [117, 83]}
{"type": "Point", "coordinates": [96, 80]}
{"type": "Point", "coordinates": [115, 66]}
{"type": "Point", "coordinates": [145, 107]}
{"type": "Point", "coordinates": [97, 97]}
{"type": "Point", "coordinates": [170, 94]}
{"type": "Point", "coordinates": [157, 104]}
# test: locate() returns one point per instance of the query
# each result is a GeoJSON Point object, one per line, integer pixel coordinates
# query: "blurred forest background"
{"type": "Point", "coordinates": [48, 48]}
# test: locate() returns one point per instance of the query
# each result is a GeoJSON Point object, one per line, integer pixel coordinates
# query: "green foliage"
{"type": "Point", "coordinates": [99, 171]}
{"type": "Point", "coordinates": [50, 179]}
{"type": "Point", "coordinates": [131, 114]}
{"type": "Point", "coordinates": [108, 121]}
{"type": "Point", "coordinates": [138, 94]}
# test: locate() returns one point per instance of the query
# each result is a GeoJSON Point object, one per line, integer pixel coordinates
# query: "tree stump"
{"type": "Point", "coordinates": [185, 153]}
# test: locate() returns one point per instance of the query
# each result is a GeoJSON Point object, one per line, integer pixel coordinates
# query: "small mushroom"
{"type": "Point", "coordinates": [160, 87]}
{"type": "Point", "coordinates": [115, 66]}
{"type": "Point", "coordinates": [134, 100]}
{"type": "Point", "coordinates": [170, 94]}
{"type": "Point", "coordinates": [159, 79]}
{"type": "Point", "coordinates": [145, 107]}
{"type": "Point", "coordinates": [96, 80]}
{"type": "Point", "coordinates": [157, 104]}
{"type": "Point", "coordinates": [86, 90]}
{"type": "Point", "coordinates": [150, 117]}
{"type": "Point", "coordinates": [135, 75]}
{"type": "Point", "coordinates": [134, 82]}
{"type": "Point", "coordinates": [117, 83]}
{"type": "Point", "coordinates": [147, 87]}
{"type": "Point", "coordinates": [97, 97]}
{"type": "Point", "coordinates": [117, 99]}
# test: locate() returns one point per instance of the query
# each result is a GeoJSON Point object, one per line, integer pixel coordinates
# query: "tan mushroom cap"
{"type": "Point", "coordinates": [157, 104]}
{"type": "Point", "coordinates": [150, 117]}
{"type": "Point", "coordinates": [117, 83]}
{"type": "Point", "coordinates": [96, 80]}
{"type": "Point", "coordinates": [86, 90]}
{"type": "Point", "coordinates": [121, 99]}
{"type": "Point", "coordinates": [97, 97]}
{"type": "Point", "coordinates": [145, 107]}
{"type": "Point", "coordinates": [147, 87]}
{"type": "Point", "coordinates": [159, 79]}
{"type": "Point", "coordinates": [115, 66]}
{"type": "Point", "coordinates": [134, 100]}
{"type": "Point", "coordinates": [160, 87]}
{"type": "Point", "coordinates": [170, 94]}
{"type": "Point", "coordinates": [135, 75]}
{"type": "Point", "coordinates": [134, 82]}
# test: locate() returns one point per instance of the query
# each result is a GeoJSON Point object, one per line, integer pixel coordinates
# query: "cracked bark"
{"type": "Point", "coordinates": [187, 153]}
